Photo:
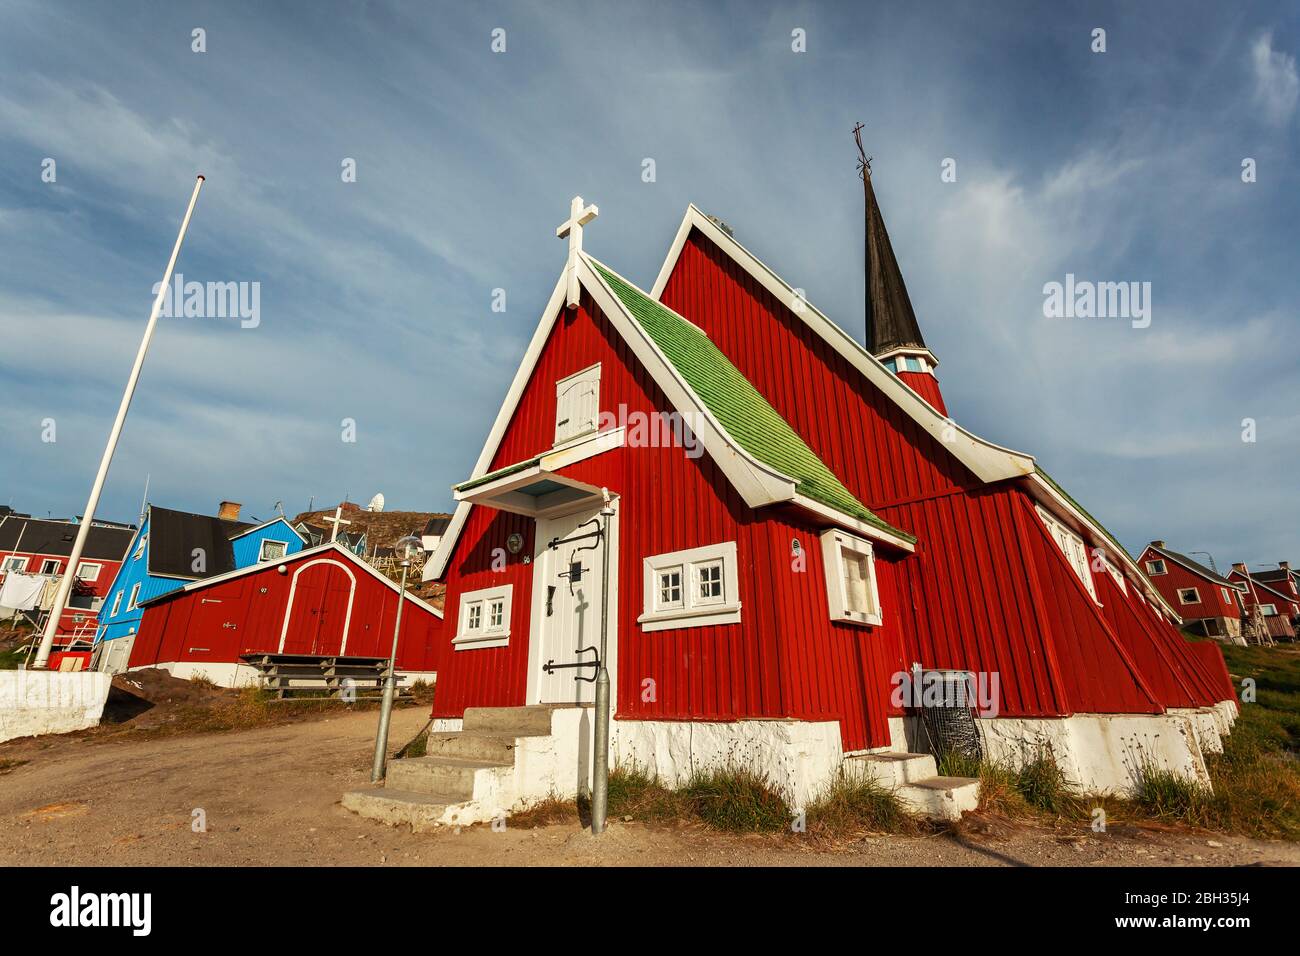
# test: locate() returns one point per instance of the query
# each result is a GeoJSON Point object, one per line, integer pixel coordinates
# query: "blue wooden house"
{"type": "Point", "coordinates": [173, 548]}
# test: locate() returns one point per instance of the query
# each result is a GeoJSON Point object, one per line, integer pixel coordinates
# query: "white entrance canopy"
{"type": "Point", "coordinates": [535, 487]}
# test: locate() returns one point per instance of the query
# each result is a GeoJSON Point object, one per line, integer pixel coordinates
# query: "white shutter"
{"type": "Point", "coordinates": [577, 404]}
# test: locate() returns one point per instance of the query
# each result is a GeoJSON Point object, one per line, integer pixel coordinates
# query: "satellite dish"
{"type": "Point", "coordinates": [376, 503]}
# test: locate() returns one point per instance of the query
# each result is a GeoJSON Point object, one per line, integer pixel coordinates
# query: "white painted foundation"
{"type": "Point", "coordinates": [50, 702]}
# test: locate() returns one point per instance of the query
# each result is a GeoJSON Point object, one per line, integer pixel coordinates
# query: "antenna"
{"type": "Point", "coordinates": [279, 506]}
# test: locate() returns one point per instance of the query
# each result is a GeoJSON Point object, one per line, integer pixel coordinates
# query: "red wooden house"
{"type": "Point", "coordinates": [35, 547]}
{"type": "Point", "coordinates": [1202, 596]}
{"type": "Point", "coordinates": [323, 601]}
{"type": "Point", "coordinates": [795, 525]}
{"type": "Point", "coordinates": [1278, 604]}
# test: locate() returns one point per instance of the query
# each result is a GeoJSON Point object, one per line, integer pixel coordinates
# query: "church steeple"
{"type": "Point", "coordinates": [893, 334]}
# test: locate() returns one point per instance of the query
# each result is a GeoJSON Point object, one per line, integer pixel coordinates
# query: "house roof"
{"type": "Point", "coordinates": [1194, 566]}
{"type": "Point", "coordinates": [174, 536]}
{"type": "Point", "coordinates": [1277, 575]}
{"type": "Point", "coordinates": [42, 536]}
{"type": "Point", "coordinates": [742, 410]}
{"type": "Point", "coordinates": [891, 323]}
{"type": "Point", "coordinates": [293, 558]}
{"type": "Point", "coordinates": [989, 462]}
{"type": "Point", "coordinates": [1252, 580]}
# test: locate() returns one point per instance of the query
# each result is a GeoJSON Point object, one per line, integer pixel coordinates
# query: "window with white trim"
{"type": "Point", "coordinates": [851, 591]}
{"type": "Point", "coordinates": [15, 563]}
{"type": "Point", "coordinates": [1072, 547]}
{"type": "Point", "coordinates": [577, 404]}
{"type": "Point", "coordinates": [691, 588]}
{"type": "Point", "coordinates": [139, 548]}
{"type": "Point", "coordinates": [1227, 598]}
{"type": "Point", "coordinates": [1269, 610]}
{"type": "Point", "coordinates": [88, 571]}
{"type": "Point", "coordinates": [1189, 596]}
{"type": "Point", "coordinates": [1116, 574]}
{"type": "Point", "coordinates": [117, 604]}
{"type": "Point", "coordinates": [135, 595]}
{"type": "Point", "coordinates": [1155, 566]}
{"type": "Point", "coordinates": [272, 550]}
{"type": "Point", "coordinates": [484, 618]}
{"type": "Point", "coordinates": [50, 566]}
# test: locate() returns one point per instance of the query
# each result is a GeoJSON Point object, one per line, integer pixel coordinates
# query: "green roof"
{"type": "Point", "coordinates": [733, 400]}
{"type": "Point", "coordinates": [499, 473]}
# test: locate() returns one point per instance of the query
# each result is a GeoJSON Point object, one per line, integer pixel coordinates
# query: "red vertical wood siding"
{"type": "Point", "coordinates": [193, 626]}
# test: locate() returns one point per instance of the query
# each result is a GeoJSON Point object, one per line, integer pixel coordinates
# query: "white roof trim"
{"type": "Point", "coordinates": [988, 461]}
{"type": "Point", "coordinates": [291, 558]}
{"type": "Point", "coordinates": [1051, 495]}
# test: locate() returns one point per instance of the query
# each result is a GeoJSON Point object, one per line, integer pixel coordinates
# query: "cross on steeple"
{"type": "Point", "coordinates": [579, 216]}
{"type": "Point", "coordinates": [336, 521]}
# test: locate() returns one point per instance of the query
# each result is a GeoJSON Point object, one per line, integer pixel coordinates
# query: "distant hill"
{"type": "Point", "coordinates": [383, 528]}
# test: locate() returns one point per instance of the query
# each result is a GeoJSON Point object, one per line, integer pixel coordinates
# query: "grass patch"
{"type": "Point", "coordinates": [851, 808]}
{"type": "Point", "coordinates": [737, 801]}
{"type": "Point", "coordinates": [1038, 788]}
{"type": "Point", "coordinates": [545, 813]}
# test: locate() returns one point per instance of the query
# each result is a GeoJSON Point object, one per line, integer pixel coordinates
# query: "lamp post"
{"type": "Point", "coordinates": [406, 550]}
{"type": "Point", "coordinates": [600, 760]}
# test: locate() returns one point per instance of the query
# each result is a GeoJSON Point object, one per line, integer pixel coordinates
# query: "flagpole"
{"type": "Point", "coordinates": [83, 531]}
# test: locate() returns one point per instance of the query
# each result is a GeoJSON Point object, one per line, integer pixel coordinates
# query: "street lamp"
{"type": "Point", "coordinates": [406, 550]}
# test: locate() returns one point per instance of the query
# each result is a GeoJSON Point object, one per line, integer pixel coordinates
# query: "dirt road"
{"type": "Point", "coordinates": [270, 796]}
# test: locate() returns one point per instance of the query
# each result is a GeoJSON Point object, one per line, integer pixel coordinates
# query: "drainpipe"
{"type": "Point", "coordinates": [600, 763]}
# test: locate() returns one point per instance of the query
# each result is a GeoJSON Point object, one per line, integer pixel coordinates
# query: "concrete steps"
{"type": "Point", "coordinates": [915, 780]}
{"type": "Point", "coordinates": [467, 776]}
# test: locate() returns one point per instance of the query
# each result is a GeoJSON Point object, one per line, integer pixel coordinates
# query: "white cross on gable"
{"type": "Point", "coordinates": [336, 521]}
{"type": "Point", "coordinates": [579, 216]}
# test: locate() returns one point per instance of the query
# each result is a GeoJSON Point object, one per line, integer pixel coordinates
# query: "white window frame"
{"type": "Point", "coordinates": [135, 594]}
{"type": "Point", "coordinates": [48, 561]}
{"type": "Point", "coordinates": [1227, 597]}
{"type": "Point", "coordinates": [568, 408]}
{"type": "Point", "coordinates": [139, 548]}
{"type": "Point", "coordinates": [1183, 600]}
{"type": "Point", "coordinates": [14, 562]}
{"type": "Point", "coordinates": [83, 571]}
{"type": "Point", "coordinates": [834, 545]}
{"type": "Point", "coordinates": [1268, 610]}
{"type": "Point", "coordinates": [692, 611]}
{"type": "Point", "coordinates": [117, 603]}
{"type": "Point", "coordinates": [484, 634]}
{"type": "Point", "coordinates": [682, 585]}
{"type": "Point", "coordinates": [1072, 546]}
{"type": "Point", "coordinates": [261, 550]}
{"type": "Point", "coordinates": [1151, 567]}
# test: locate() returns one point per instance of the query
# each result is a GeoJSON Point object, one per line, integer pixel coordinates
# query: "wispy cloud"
{"type": "Point", "coordinates": [1277, 86]}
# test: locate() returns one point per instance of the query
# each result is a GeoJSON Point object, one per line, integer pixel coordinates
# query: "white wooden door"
{"type": "Point", "coordinates": [569, 580]}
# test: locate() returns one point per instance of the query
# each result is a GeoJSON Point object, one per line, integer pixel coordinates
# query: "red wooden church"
{"type": "Point", "coordinates": [796, 525]}
{"type": "Point", "coordinates": [323, 601]}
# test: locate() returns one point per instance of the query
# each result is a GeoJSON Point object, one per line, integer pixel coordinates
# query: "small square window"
{"type": "Point", "coordinates": [1156, 567]}
{"type": "Point", "coordinates": [484, 618]}
{"type": "Point", "coordinates": [14, 563]}
{"type": "Point", "coordinates": [272, 550]}
{"type": "Point", "coordinates": [670, 588]}
{"type": "Point", "coordinates": [851, 589]}
{"type": "Point", "coordinates": [708, 579]}
{"type": "Point", "coordinates": [1189, 596]}
{"type": "Point", "coordinates": [50, 566]}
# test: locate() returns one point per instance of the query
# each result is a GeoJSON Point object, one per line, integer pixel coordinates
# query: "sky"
{"type": "Point", "coordinates": [376, 295]}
